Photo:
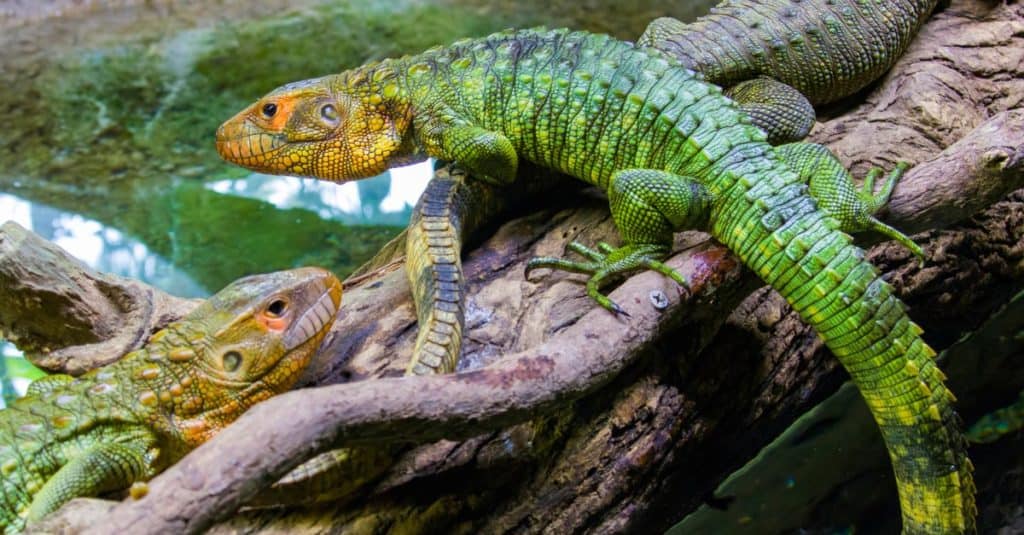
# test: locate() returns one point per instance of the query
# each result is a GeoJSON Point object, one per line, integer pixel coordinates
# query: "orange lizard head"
{"type": "Point", "coordinates": [250, 341]}
{"type": "Point", "coordinates": [339, 128]}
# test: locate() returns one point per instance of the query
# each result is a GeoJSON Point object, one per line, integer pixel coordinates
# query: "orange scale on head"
{"type": "Point", "coordinates": [285, 106]}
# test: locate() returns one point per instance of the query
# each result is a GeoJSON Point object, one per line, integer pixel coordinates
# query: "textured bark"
{"type": "Point", "coordinates": [569, 419]}
{"type": "Point", "coordinates": [69, 318]}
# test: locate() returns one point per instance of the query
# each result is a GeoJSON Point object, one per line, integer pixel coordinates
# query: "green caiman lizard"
{"type": "Point", "coordinates": [826, 48]}
{"type": "Point", "coordinates": [672, 153]}
{"type": "Point", "coordinates": [123, 423]}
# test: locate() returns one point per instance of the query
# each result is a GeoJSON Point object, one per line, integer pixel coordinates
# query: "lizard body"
{"type": "Point", "coordinates": [672, 153]}
{"type": "Point", "coordinates": [762, 83]}
{"type": "Point", "coordinates": [825, 49]}
{"type": "Point", "coordinates": [123, 423]}
{"type": "Point", "coordinates": [777, 57]}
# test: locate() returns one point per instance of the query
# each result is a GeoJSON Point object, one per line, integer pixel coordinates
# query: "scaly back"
{"type": "Point", "coordinates": [826, 49]}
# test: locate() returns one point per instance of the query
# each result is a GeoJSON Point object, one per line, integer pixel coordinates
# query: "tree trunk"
{"type": "Point", "coordinates": [568, 419]}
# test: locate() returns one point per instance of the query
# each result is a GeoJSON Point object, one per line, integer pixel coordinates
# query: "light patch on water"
{"type": "Point", "coordinates": [20, 385]}
{"type": "Point", "coordinates": [221, 186]}
{"type": "Point", "coordinates": [281, 192]}
{"type": "Point", "coordinates": [80, 237]}
{"type": "Point", "coordinates": [407, 184]}
{"type": "Point", "coordinates": [341, 197]}
{"type": "Point", "coordinates": [100, 247]}
{"type": "Point", "coordinates": [15, 209]}
{"type": "Point", "coordinates": [327, 199]}
{"type": "Point", "coordinates": [377, 200]}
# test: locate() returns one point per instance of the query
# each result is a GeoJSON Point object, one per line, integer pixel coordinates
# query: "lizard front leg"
{"type": "Point", "coordinates": [648, 206]}
{"type": "Point", "coordinates": [102, 468]}
{"type": "Point", "coordinates": [485, 154]}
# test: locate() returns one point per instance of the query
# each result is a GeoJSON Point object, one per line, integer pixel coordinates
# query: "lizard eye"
{"type": "Point", "coordinates": [269, 109]}
{"type": "Point", "coordinates": [329, 113]}
{"type": "Point", "coordinates": [277, 308]}
{"type": "Point", "coordinates": [232, 360]}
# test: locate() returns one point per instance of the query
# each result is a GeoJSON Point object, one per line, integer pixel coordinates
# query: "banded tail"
{"type": "Point", "coordinates": [435, 276]}
{"type": "Point", "coordinates": [777, 230]}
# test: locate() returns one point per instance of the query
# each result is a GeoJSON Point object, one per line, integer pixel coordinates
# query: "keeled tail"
{"type": "Point", "coordinates": [826, 279]}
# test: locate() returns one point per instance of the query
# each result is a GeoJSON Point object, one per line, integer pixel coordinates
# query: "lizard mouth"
{"type": "Point", "coordinates": [243, 144]}
{"type": "Point", "coordinates": [315, 318]}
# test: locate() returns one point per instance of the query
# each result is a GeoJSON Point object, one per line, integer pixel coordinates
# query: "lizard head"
{"type": "Point", "coordinates": [250, 341]}
{"type": "Point", "coordinates": [339, 128]}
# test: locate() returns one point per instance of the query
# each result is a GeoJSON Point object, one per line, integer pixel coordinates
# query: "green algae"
{"type": "Point", "coordinates": [149, 106]}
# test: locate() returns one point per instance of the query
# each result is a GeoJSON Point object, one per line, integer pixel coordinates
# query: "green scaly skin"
{"type": "Point", "coordinates": [776, 57]}
{"type": "Point", "coordinates": [825, 49]}
{"type": "Point", "coordinates": [770, 52]}
{"type": "Point", "coordinates": [120, 425]}
{"type": "Point", "coordinates": [672, 154]}
{"type": "Point", "coordinates": [443, 217]}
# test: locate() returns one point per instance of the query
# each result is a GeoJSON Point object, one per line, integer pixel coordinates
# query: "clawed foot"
{"type": "Point", "coordinates": [875, 201]}
{"type": "Point", "coordinates": [606, 262]}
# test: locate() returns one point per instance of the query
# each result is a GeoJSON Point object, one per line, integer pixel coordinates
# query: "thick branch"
{"type": "Point", "coordinates": [970, 175]}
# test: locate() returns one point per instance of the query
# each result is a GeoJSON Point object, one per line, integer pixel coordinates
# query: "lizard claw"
{"type": "Point", "coordinates": [606, 262]}
{"type": "Point", "coordinates": [619, 310]}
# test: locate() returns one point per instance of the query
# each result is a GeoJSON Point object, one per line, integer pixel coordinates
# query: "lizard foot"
{"type": "Point", "coordinates": [606, 262]}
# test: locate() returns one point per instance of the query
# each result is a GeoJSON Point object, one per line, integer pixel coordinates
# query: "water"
{"type": "Point", "coordinates": [273, 212]}
{"type": "Point", "coordinates": [109, 147]}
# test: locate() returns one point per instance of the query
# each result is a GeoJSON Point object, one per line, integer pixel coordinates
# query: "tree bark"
{"type": "Point", "coordinates": [67, 317]}
{"type": "Point", "coordinates": [568, 419]}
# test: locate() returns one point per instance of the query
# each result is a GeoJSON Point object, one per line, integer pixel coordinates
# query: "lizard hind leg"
{"type": "Point", "coordinates": [833, 189]}
{"type": "Point", "coordinates": [647, 206]}
{"type": "Point", "coordinates": [780, 110]}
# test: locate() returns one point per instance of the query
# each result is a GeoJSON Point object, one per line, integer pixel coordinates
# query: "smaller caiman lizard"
{"type": "Point", "coordinates": [123, 423]}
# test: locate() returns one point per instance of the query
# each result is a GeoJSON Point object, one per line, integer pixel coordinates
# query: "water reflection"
{"type": "Point", "coordinates": [384, 200]}
{"type": "Point", "coordinates": [174, 236]}
{"type": "Point", "coordinates": [99, 246]}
